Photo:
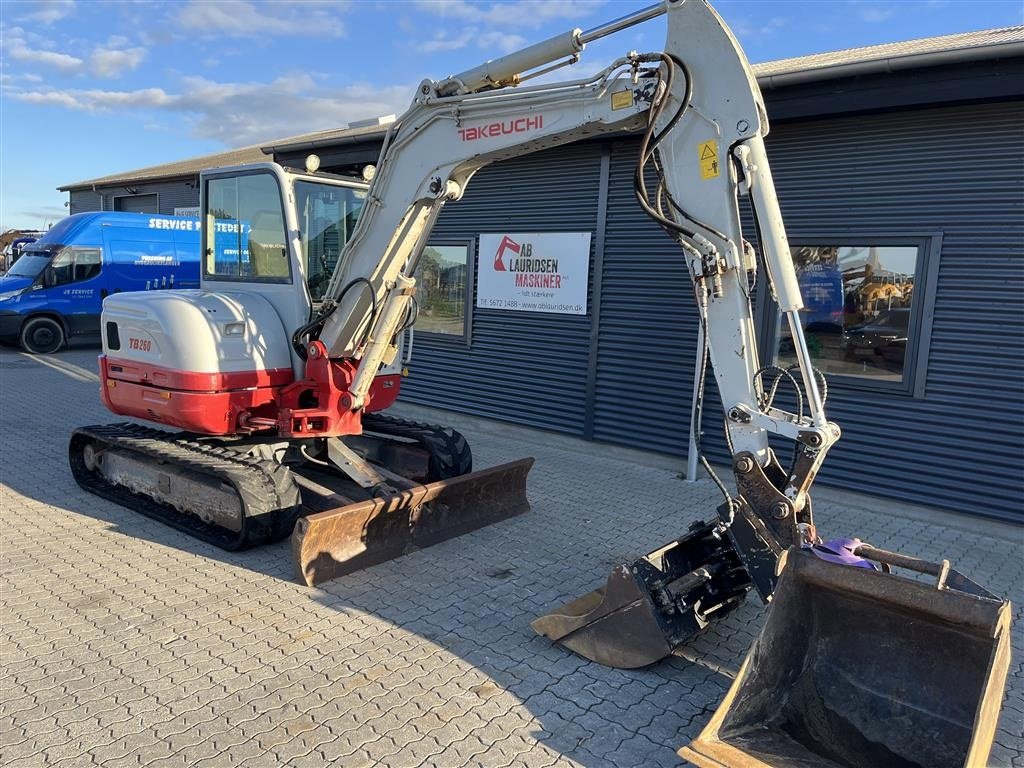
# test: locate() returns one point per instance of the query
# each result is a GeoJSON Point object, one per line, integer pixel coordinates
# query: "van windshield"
{"type": "Point", "coordinates": [30, 264]}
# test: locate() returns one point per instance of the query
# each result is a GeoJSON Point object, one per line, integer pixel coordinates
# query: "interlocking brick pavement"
{"type": "Point", "coordinates": [126, 643]}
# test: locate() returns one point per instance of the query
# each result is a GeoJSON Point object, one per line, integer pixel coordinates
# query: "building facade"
{"type": "Point", "coordinates": [901, 178]}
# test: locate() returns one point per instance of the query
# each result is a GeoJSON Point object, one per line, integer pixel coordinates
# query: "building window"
{"type": "Point", "coordinates": [443, 289]}
{"type": "Point", "coordinates": [862, 309]}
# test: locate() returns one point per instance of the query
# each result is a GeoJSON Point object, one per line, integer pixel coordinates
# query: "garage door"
{"type": "Point", "coordinates": [137, 204]}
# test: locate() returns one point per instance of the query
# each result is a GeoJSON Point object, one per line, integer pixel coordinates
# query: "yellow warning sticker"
{"type": "Point", "coordinates": [622, 100]}
{"type": "Point", "coordinates": [708, 154]}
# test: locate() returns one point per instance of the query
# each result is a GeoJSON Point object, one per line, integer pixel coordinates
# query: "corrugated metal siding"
{"type": "Point", "coordinates": [959, 171]}
{"type": "Point", "coordinates": [83, 201]}
{"type": "Point", "coordinates": [172, 194]}
{"type": "Point", "coordinates": [524, 367]}
{"type": "Point", "coordinates": [149, 203]}
{"type": "Point", "coordinates": [955, 170]}
{"type": "Point", "coordinates": [648, 325]}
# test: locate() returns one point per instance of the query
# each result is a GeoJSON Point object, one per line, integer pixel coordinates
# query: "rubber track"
{"type": "Point", "coordinates": [270, 498]}
{"type": "Point", "coordinates": [450, 455]}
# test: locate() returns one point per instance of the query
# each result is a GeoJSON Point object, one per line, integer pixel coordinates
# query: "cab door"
{"type": "Point", "coordinates": [247, 244]}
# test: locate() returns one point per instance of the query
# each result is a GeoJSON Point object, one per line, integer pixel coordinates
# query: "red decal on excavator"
{"type": "Point", "coordinates": [144, 345]}
{"type": "Point", "coordinates": [507, 244]}
{"type": "Point", "coordinates": [502, 128]}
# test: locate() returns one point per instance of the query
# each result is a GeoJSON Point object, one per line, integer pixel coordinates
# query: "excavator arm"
{"type": "Point", "coordinates": [703, 124]}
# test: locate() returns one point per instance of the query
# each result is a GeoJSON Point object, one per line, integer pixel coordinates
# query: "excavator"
{"type": "Point", "coordinates": [276, 373]}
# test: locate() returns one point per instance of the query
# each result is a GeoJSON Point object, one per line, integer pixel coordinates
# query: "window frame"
{"type": "Point", "coordinates": [302, 255]}
{"type": "Point", "coordinates": [926, 268]}
{"type": "Point", "coordinates": [73, 252]}
{"type": "Point", "coordinates": [213, 277]}
{"type": "Point", "coordinates": [466, 338]}
{"type": "Point", "coordinates": [78, 249]}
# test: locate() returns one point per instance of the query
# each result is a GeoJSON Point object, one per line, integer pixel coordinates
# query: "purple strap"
{"type": "Point", "coordinates": [840, 552]}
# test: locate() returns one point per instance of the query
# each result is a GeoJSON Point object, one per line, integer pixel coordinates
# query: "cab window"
{"type": "Point", "coordinates": [245, 230]}
{"type": "Point", "coordinates": [327, 217]}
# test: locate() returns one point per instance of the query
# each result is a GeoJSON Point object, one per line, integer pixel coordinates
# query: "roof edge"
{"type": "Point", "coordinates": [888, 64]}
{"type": "Point", "coordinates": [89, 184]}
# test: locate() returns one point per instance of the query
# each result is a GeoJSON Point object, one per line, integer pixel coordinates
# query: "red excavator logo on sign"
{"type": "Point", "coordinates": [507, 244]}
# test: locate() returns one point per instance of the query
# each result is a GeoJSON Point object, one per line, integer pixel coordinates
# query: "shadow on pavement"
{"type": "Point", "coordinates": [446, 628]}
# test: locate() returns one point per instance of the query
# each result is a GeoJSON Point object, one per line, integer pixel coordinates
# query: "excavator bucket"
{"type": "Point", "coordinates": [334, 542]}
{"type": "Point", "coordinates": [859, 668]}
{"type": "Point", "coordinates": [650, 606]}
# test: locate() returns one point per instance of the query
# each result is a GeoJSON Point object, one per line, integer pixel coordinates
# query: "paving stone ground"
{"type": "Point", "coordinates": [126, 643]}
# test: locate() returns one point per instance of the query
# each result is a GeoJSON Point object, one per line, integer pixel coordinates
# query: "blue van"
{"type": "Point", "coordinates": [55, 291]}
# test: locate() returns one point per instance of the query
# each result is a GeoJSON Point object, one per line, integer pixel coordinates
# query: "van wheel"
{"type": "Point", "coordinates": [42, 336]}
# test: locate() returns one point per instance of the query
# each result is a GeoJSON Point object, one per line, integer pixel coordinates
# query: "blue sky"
{"type": "Point", "coordinates": [92, 87]}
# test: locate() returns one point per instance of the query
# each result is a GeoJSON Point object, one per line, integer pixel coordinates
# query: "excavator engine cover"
{"type": "Point", "coordinates": [858, 668]}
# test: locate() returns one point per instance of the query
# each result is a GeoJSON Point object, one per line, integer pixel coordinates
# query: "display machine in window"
{"type": "Point", "coordinates": [857, 313]}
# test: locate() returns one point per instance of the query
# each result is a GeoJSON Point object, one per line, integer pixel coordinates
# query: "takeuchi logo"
{"type": "Point", "coordinates": [502, 128]}
{"type": "Point", "coordinates": [529, 272]}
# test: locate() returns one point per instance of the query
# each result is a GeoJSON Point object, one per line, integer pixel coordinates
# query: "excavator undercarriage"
{"type": "Point", "coordinates": [241, 493]}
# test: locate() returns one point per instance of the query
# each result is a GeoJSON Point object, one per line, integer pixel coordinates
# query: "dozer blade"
{"type": "Point", "coordinates": [860, 669]}
{"type": "Point", "coordinates": [326, 545]}
{"type": "Point", "coordinates": [654, 604]}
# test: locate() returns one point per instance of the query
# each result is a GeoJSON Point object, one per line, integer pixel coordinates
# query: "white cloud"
{"type": "Point", "coordinates": [114, 62]}
{"type": "Point", "coordinates": [46, 212]}
{"type": "Point", "coordinates": [488, 41]}
{"type": "Point", "coordinates": [238, 18]}
{"type": "Point", "coordinates": [93, 99]}
{"type": "Point", "coordinates": [110, 60]}
{"type": "Point", "coordinates": [747, 30]}
{"type": "Point", "coordinates": [48, 11]}
{"type": "Point", "coordinates": [525, 14]}
{"type": "Point", "coordinates": [500, 41]}
{"type": "Point", "coordinates": [20, 77]}
{"type": "Point", "coordinates": [874, 14]}
{"type": "Point", "coordinates": [442, 41]}
{"type": "Point", "coordinates": [18, 49]}
{"type": "Point", "coordinates": [237, 114]}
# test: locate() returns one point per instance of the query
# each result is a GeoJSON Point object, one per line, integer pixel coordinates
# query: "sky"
{"type": "Point", "coordinates": [94, 87]}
